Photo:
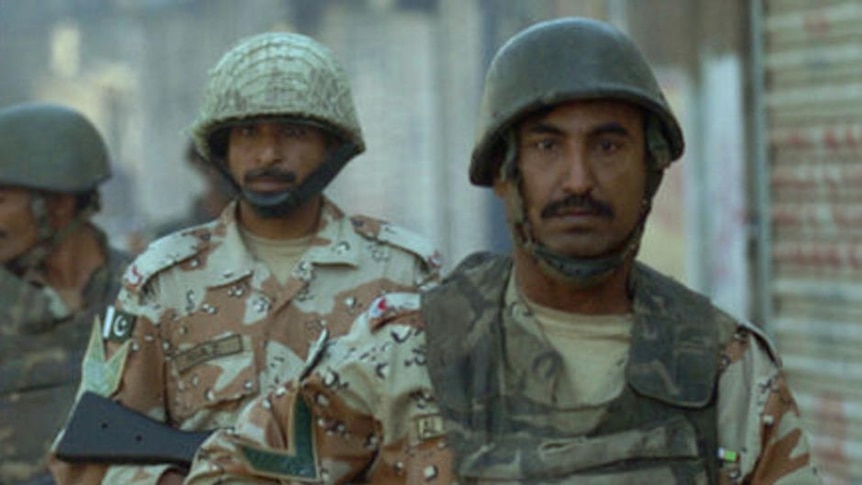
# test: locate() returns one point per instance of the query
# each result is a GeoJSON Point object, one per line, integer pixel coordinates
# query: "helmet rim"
{"type": "Point", "coordinates": [572, 59]}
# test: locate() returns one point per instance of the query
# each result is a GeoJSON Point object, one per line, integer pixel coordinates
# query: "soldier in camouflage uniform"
{"type": "Point", "coordinates": [57, 273]}
{"type": "Point", "coordinates": [211, 316]}
{"type": "Point", "coordinates": [568, 362]}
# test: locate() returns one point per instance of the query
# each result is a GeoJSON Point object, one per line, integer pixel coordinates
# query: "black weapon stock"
{"type": "Point", "coordinates": [103, 431]}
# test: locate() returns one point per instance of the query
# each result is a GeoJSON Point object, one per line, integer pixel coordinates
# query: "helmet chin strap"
{"type": "Point", "coordinates": [585, 272]}
{"type": "Point", "coordinates": [282, 203]}
{"type": "Point", "coordinates": [582, 272]}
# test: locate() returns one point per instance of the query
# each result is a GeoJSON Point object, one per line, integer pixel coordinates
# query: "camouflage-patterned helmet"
{"type": "Point", "coordinates": [278, 74]}
{"type": "Point", "coordinates": [562, 60]}
{"type": "Point", "coordinates": [51, 147]}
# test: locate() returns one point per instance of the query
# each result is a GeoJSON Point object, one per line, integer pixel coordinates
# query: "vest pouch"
{"type": "Point", "coordinates": [644, 455]}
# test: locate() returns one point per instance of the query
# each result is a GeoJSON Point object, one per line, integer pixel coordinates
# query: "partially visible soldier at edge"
{"type": "Point", "coordinates": [58, 272]}
{"type": "Point", "coordinates": [210, 317]}
{"type": "Point", "coordinates": [566, 362]}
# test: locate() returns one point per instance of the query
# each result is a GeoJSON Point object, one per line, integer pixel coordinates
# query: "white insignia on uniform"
{"type": "Point", "coordinates": [428, 427]}
{"type": "Point", "coordinates": [120, 326]}
{"type": "Point", "coordinates": [108, 322]}
{"type": "Point", "coordinates": [117, 324]}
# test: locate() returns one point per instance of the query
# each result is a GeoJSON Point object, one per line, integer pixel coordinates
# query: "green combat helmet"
{"type": "Point", "coordinates": [280, 75]}
{"type": "Point", "coordinates": [567, 60]}
{"type": "Point", "coordinates": [50, 148]}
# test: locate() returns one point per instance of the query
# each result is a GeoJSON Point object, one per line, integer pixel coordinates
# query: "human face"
{"type": "Point", "coordinates": [584, 175]}
{"type": "Point", "coordinates": [18, 230]}
{"type": "Point", "coordinates": [271, 156]}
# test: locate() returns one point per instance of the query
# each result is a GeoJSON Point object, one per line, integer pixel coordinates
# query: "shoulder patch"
{"type": "Point", "coordinates": [118, 325]}
{"type": "Point", "coordinates": [100, 374]}
{"type": "Point", "coordinates": [162, 254]}
{"type": "Point", "coordinates": [392, 306]}
{"type": "Point", "coordinates": [398, 236]}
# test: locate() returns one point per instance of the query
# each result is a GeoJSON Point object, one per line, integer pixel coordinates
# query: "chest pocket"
{"type": "Point", "coordinates": [212, 376]}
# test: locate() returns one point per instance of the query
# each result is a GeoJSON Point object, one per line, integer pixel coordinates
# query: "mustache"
{"type": "Point", "coordinates": [583, 202]}
{"type": "Point", "coordinates": [273, 173]}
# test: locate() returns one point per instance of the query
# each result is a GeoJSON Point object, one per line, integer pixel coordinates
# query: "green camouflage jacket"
{"type": "Point", "coordinates": [41, 347]}
{"type": "Point", "coordinates": [370, 410]}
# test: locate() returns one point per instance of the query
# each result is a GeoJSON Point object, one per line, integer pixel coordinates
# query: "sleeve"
{"type": "Point", "coordinates": [276, 441]}
{"type": "Point", "coordinates": [364, 411]}
{"type": "Point", "coordinates": [124, 361]}
{"type": "Point", "coordinates": [761, 434]}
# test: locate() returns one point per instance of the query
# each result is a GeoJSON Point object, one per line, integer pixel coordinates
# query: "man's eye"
{"type": "Point", "coordinates": [546, 144]}
{"type": "Point", "coordinates": [609, 146]}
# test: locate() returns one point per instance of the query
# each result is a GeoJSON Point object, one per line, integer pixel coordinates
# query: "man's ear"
{"type": "Point", "coordinates": [502, 186]}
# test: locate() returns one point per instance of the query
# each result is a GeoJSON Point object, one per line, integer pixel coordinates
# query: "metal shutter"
{"type": "Point", "coordinates": [812, 94]}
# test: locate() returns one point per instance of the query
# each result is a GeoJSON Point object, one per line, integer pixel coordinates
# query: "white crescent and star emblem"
{"type": "Point", "coordinates": [118, 325]}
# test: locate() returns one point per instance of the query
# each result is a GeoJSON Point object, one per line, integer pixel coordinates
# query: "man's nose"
{"type": "Point", "coordinates": [578, 177]}
{"type": "Point", "coordinates": [270, 150]}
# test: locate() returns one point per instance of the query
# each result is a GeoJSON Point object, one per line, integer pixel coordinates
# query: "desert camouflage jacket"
{"type": "Point", "coordinates": [368, 411]}
{"type": "Point", "coordinates": [227, 331]}
{"type": "Point", "coordinates": [41, 346]}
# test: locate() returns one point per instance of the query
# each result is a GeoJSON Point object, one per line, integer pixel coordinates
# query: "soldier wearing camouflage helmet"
{"type": "Point", "coordinates": [291, 78]}
{"type": "Point", "coordinates": [58, 271]}
{"type": "Point", "coordinates": [566, 362]}
{"type": "Point", "coordinates": [212, 316]}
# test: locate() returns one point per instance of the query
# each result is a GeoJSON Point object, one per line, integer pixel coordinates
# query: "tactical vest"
{"type": "Point", "coordinates": [40, 364]}
{"type": "Point", "coordinates": [661, 429]}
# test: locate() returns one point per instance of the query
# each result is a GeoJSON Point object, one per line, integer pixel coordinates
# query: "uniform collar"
{"type": "Point", "coordinates": [334, 243]}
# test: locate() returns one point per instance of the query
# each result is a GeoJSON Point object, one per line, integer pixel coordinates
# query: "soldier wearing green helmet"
{"type": "Point", "coordinates": [566, 362]}
{"type": "Point", "coordinates": [211, 316]}
{"type": "Point", "coordinates": [58, 271]}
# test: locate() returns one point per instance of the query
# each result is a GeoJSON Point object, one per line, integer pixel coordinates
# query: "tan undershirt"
{"type": "Point", "coordinates": [594, 349]}
{"type": "Point", "coordinates": [279, 255]}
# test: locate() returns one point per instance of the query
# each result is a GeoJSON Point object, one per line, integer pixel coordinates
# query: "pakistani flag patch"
{"type": "Point", "coordinates": [118, 325]}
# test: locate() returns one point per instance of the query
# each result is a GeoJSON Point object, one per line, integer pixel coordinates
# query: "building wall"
{"type": "Point", "coordinates": [811, 100]}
